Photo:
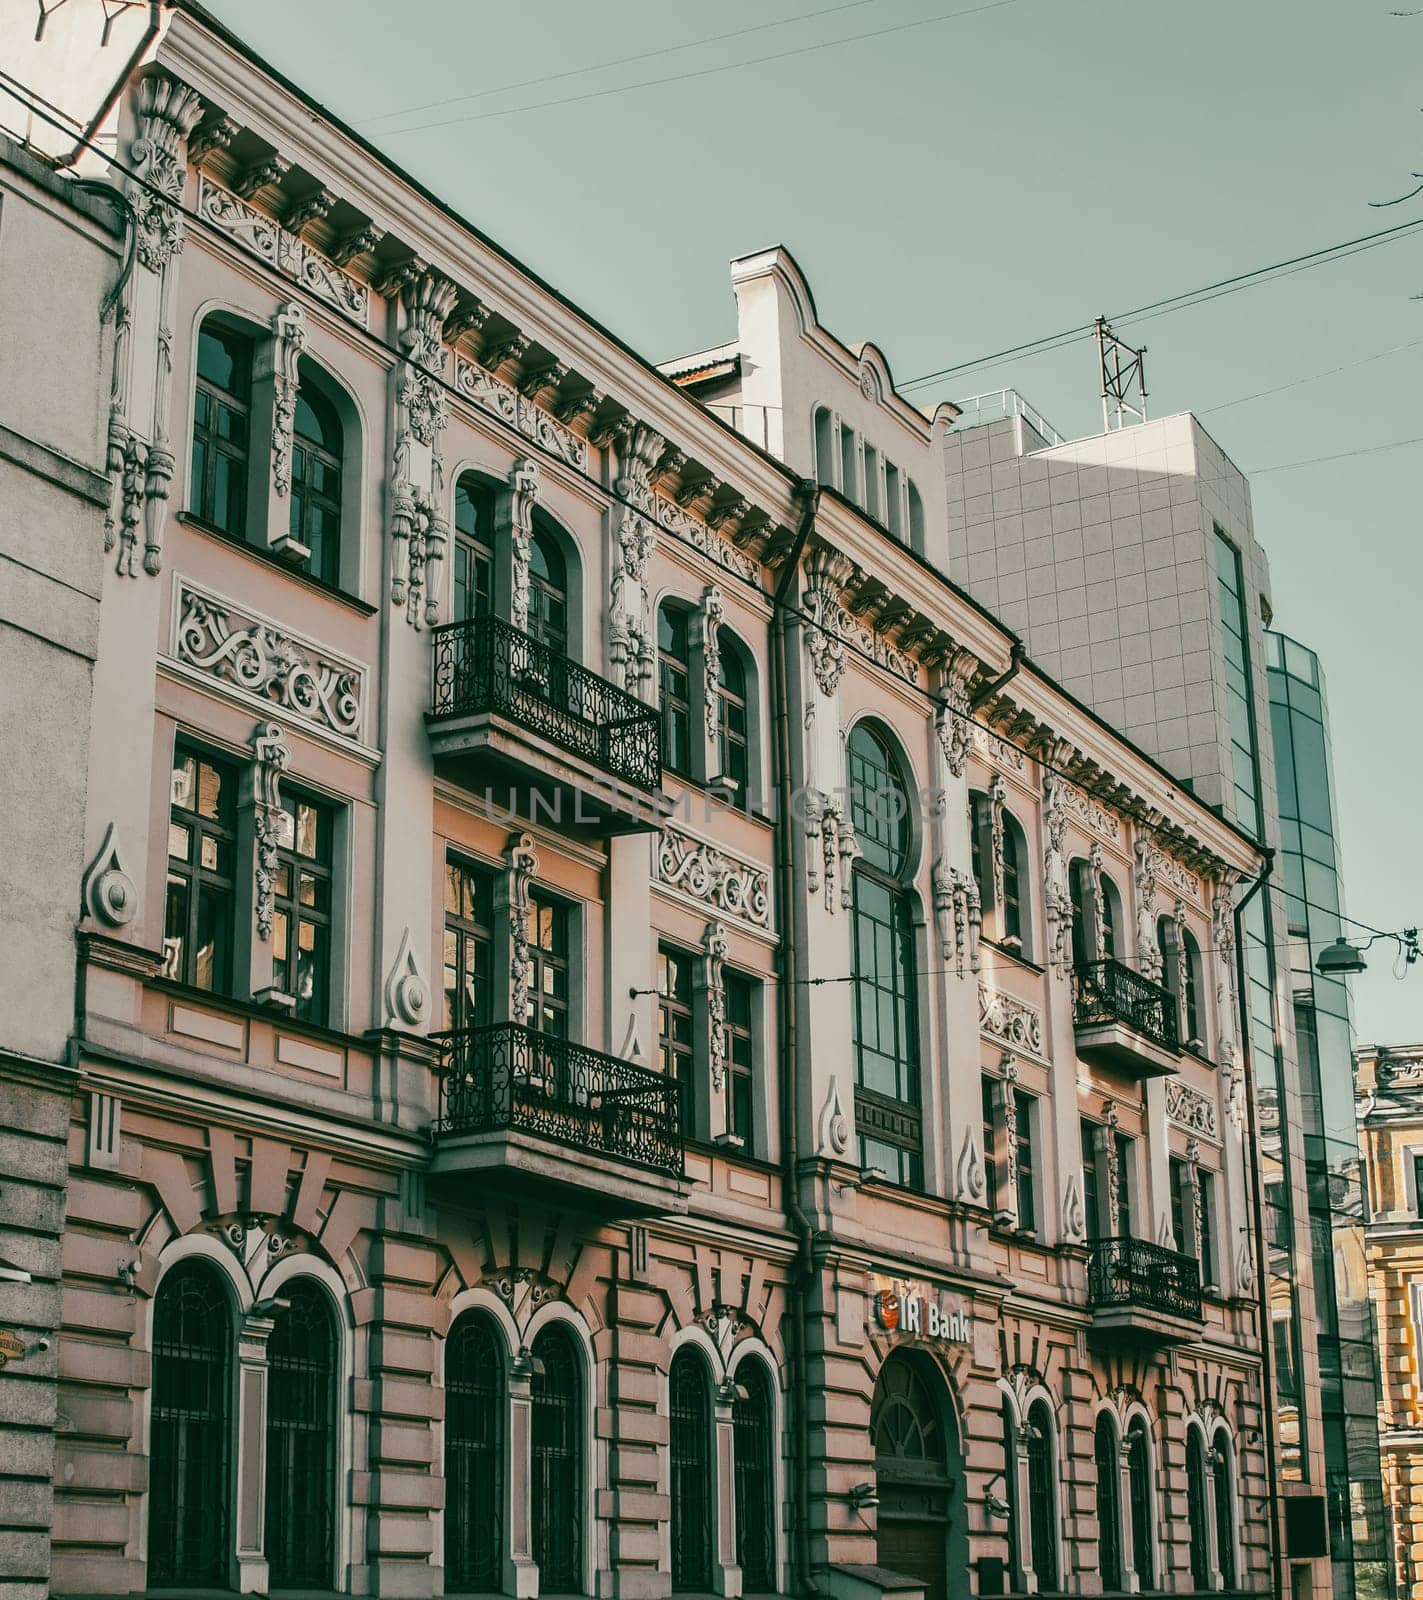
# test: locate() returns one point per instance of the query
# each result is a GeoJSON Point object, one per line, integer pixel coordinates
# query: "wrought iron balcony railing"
{"type": "Point", "coordinates": [506, 1078]}
{"type": "Point", "coordinates": [1106, 992]}
{"type": "Point", "coordinates": [485, 665]}
{"type": "Point", "coordinates": [1137, 1274]}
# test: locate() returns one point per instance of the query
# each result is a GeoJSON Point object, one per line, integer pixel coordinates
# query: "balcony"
{"type": "Point", "coordinates": [1140, 1292]}
{"type": "Point", "coordinates": [1123, 1020]}
{"type": "Point", "coordinates": [539, 1113]}
{"type": "Point", "coordinates": [546, 738]}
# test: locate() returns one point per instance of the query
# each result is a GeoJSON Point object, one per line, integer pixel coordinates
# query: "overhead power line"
{"type": "Point", "coordinates": [705, 72]}
{"type": "Point", "coordinates": [1313, 377]}
{"type": "Point", "coordinates": [1179, 302]}
{"type": "Point", "coordinates": [1343, 455]}
{"type": "Point", "coordinates": [619, 61]}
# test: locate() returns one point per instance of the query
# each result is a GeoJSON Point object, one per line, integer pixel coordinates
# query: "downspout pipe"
{"type": "Point", "coordinates": [116, 88]}
{"type": "Point", "coordinates": [1262, 1288]}
{"type": "Point", "coordinates": [801, 1226]}
{"type": "Point", "coordinates": [986, 691]}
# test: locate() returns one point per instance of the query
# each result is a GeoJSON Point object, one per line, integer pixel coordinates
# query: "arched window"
{"type": "Point", "coordinates": [1011, 1494]}
{"type": "Point", "coordinates": [824, 446]}
{"type": "Point", "coordinates": [1014, 920]}
{"type": "Point", "coordinates": [190, 1440]}
{"type": "Point", "coordinates": [693, 1473]}
{"type": "Point", "coordinates": [557, 1462]}
{"type": "Point", "coordinates": [474, 1457]}
{"type": "Point", "coordinates": [1093, 929]}
{"type": "Point", "coordinates": [1139, 1502]}
{"type": "Point", "coordinates": [317, 444]}
{"type": "Point", "coordinates": [1042, 1492]}
{"type": "Point", "coordinates": [1107, 1453]}
{"type": "Point", "coordinates": [916, 520]}
{"type": "Point", "coordinates": [222, 402]}
{"type": "Point", "coordinates": [1197, 1508]}
{"type": "Point", "coordinates": [752, 1421]}
{"type": "Point", "coordinates": [1222, 1463]}
{"type": "Point", "coordinates": [1111, 918]}
{"type": "Point", "coordinates": [475, 509]}
{"type": "Point", "coordinates": [733, 721]}
{"type": "Point", "coordinates": [300, 1540]}
{"type": "Point", "coordinates": [548, 587]}
{"type": "Point", "coordinates": [886, 985]}
{"type": "Point", "coordinates": [674, 681]}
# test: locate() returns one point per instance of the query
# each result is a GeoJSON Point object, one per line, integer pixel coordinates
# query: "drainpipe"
{"type": "Point", "coordinates": [808, 493]}
{"type": "Point", "coordinates": [986, 691]}
{"type": "Point", "coordinates": [91, 128]}
{"type": "Point", "coordinates": [1267, 1353]}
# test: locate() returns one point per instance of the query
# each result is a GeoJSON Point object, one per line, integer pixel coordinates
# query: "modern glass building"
{"type": "Point", "coordinates": [1349, 1378]}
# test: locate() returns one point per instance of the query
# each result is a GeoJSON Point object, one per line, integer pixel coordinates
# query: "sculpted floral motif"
{"type": "Point", "coordinates": [270, 759]}
{"type": "Point", "coordinates": [632, 646]}
{"type": "Point", "coordinates": [522, 863]}
{"type": "Point", "coordinates": [1010, 1021]}
{"type": "Point", "coordinates": [292, 256]}
{"type": "Point", "coordinates": [716, 949]}
{"type": "Point", "coordinates": [733, 887]}
{"type": "Point", "coordinates": [524, 485]}
{"type": "Point", "coordinates": [1057, 890]}
{"type": "Point", "coordinates": [1148, 951]}
{"type": "Point", "coordinates": [1170, 871]}
{"type": "Point", "coordinates": [255, 656]}
{"type": "Point", "coordinates": [951, 718]}
{"type": "Point", "coordinates": [1188, 1108]}
{"type": "Point", "coordinates": [167, 112]}
{"type": "Point", "coordinates": [827, 573]}
{"type": "Point", "coordinates": [997, 749]}
{"type": "Point", "coordinates": [1095, 817]}
{"type": "Point", "coordinates": [419, 534]}
{"type": "Point", "coordinates": [713, 609]}
{"type": "Point", "coordinates": [959, 916]}
{"type": "Point", "coordinates": [289, 336]}
{"type": "Point", "coordinates": [828, 826]}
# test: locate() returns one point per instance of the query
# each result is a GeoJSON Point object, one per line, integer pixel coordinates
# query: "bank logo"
{"type": "Point", "coordinates": [887, 1308]}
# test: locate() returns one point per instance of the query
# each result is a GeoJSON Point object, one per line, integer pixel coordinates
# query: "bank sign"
{"type": "Point", "coordinates": [909, 1310]}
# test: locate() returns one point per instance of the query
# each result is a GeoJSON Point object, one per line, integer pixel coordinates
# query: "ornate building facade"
{"type": "Point", "coordinates": [1388, 1081]}
{"type": "Point", "coordinates": [632, 1042]}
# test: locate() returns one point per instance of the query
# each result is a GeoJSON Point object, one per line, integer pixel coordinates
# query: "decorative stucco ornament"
{"type": "Point", "coordinates": [959, 916]}
{"type": "Point", "coordinates": [109, 893]}
{"type": "Point", "coordinates": [523, 863]}
{"type": "Point", "coordinates": [289, 334]}
{"type": "Point", "coordinates": [419, 534]}
{"type": "Point", "coordinates": [270, 759]}
{"type": "Point", "coordinates": [1074, 1215]}
{"type": "Point", "coordinates": [166, 113]}
{"type": "Point", "coordinates": [997, 795]}
{"type": "Point", "coordinates": [828, 827]}
{"type": "Point", "coordinates": [834, 1125]}
{"type": "Point", "coordinates": [1057, 890]}
{"type": "Point", "coordinates": [827, 572]}
{"type": "Point", "coordinates": [407, 994]}
{"type": "Point", "coordinates": [524, 486]}
{"type": "Point", "coordinates": [716, 949]}
{"type": "Point", "coordinates": [971, 1175]}
{"type": "Point", "coordinates": [952, 721]}
{"type": "Point", "coordinates": [713, 609]}
{"type": "Point", "coordinates": [1099, 905]}
{"type": "Point", "coordinates": [1148, 951]}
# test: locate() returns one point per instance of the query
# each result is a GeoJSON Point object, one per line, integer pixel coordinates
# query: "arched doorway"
{"type": "Point", "coordinates": [475, 1391]}
{"type": "Point", "coordinates": [301, 1439]}
{"type": "Point", "coordinates": [919, 1476]}
{"type": "Point", "coordinates": [557, 1448]}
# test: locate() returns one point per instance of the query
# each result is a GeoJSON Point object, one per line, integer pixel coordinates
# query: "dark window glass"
{"type": "Point", "coordinates": [1091, 1185]}
{"type": "Point", "coordinates": [1180, 1205]}
{"type": "Point", "coordinates": [1109, 917]}
{"type": "Point", "coordinates": [741, 1058]}
{"type": "Point", "coordinates": [474, 1458]}
{"type": "Point", "coordinates": [198, 920]}
{"type": "Point", "coordinates": [1195, 1027]}
{"type": "Point", "coordinates": [217, 487]}
{"type": "Point", "coordinates": [556, 1489]}
{"type": "Point", "coordinates": [1197, 1510]}
{"type": "Point", "coordinates": [753, 1440]}
{"type": "Point", "coordinates": [886, 984]}
{"type": "Point", "coordinates": [1245, 805]}
{"type": "Point", "coordinates": [469, 935]}
{"type": "Point", "coordinates": [1126, 1183]}
{"type": "Point", "coordinates": [1012, 920]}
{"type": "Point", "coordinates": [548, 588]}
{"type": "Point", "coordinates": [1010, 1494]}
{"type": "Point", "coordinates": [300, 1541]}
{"type": "Point", "coordinates": [1025, 1111]}
{"type": "Point", "coordinates": [317, 441]}
{"type": "Point", "coordinates": [190, 1443]}
{"type": "Point", "coordinates": [1042, 1496]}
{"type": "Point", "coordinates": [1109, 1502]}
{"type": "Point", "coordinates": [474, 549]}
{"type": "Point", "coordinates": [548, 966]}
{"type": "Point", "coordinates": [1079, 881]}
{"type": "Point", "coordinates": [674, 675]}
{"type": "Point", "coordinates": [675, 1051]}
{"type": "Point", "coordinates": [733, 728]}
{"type": "Point", "coordinates": [1224, 1508]}
{"type": "Point", "coordinates": [693, 1476]}
{"type": "Point", "coordinates": [301, 915]}
{"type": "Point", "coordinates": [1139, 1484]}
{"type": "Point", "coordinates": [990, 1146]}
{"type": "Point", "coordinates": [1208, 1261]}
{"type": "Point", "coordinates": [980, 847]}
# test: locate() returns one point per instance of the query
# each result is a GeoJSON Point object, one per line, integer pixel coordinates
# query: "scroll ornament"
{"type": "Point", "coordinates": [270, 759]}
{"type": "Point", "coordinates": [523, 864]}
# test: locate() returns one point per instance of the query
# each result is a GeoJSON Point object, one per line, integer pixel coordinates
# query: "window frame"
{"type": "Point", "coordinates": [321, 869]}
{"type": "Point", "coordinates": [468, 934]}
{"type": "Point", "coordinates": [678, 723]}
{"type": "Point", "coordinates": [674, 1052]}
{"type": "Point", "coordinates": [207, 443]}
{"type": "Point", "coordinates": [470, 550]}
{"type": "Point", "coordinates": [324, 555]}
{"type": "Point", "coordinates": [202, 884]}
{"type": "Point", "coordinates": [741, 1040]}
{"type": "Point", "coordinates": [550, 961]}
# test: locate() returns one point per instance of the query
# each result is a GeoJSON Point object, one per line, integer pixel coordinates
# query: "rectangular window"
{"type": "Point", "coordinates": [1210, 1273]}
{"type": "Point", "coordinates": [548, 966]}
{"type": "Point", "coordinates": [301, 917]}
{"type": "Point", "coordinates": [217, 489]}
{"type": "Point", "coordinates": [872, 482]}
{"type": "Point", "coordinates": [674, 678]}
{"type": "Point", "coordinates": [1091, 1188]}
{"type": "Point", "coordinates": [741, 1059]}
{"type": "Point", "coordinates": [990, 1145]}
{"type": "Point", "coordinates": [473, 549]}
{"type": "Point", "coordinates": [200, 909]}
{"type": "Point", "coordinates": [1025, 1113]}
{"type": "Point", "coordinates": [1126, 1184]}
{"type": "Point", "coordinates": [1180, 1205]}
{"type": "Point", "coordinates": [675, 1052]}
{"type": "Point", "coordinates": [469, 945]}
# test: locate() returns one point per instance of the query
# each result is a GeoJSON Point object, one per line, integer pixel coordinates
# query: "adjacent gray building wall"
{"type": "Point", "coordinates": [59, 254]}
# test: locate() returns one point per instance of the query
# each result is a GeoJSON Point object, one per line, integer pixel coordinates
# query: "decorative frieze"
{"type": "Point", "coordinates": [1170, 871]}
{"type": "Point", "coordinates": [1010, 1021]}
{"type": "Point", "coordinates": [235, 647]}
{"type": "Point", "coordinates": [1094, 817]}
{"type": "Point", "coordinates": [1188, 1108]}
{"type": "Point", "coordinates": [710, 875]}
{"type": "Point", "coordinates": [520, 411]}
{"type": "Point", "coordinates": [992, 747]}
{"type": "Point", "coordinates": [290, 254]}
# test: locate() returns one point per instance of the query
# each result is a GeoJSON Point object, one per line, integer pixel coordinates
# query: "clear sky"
{"type": "Point", "coordinates": [964, 185]}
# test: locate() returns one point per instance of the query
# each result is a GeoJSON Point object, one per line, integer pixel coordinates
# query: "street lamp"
{"type": "Point", "coordinates": [1340, 959]}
